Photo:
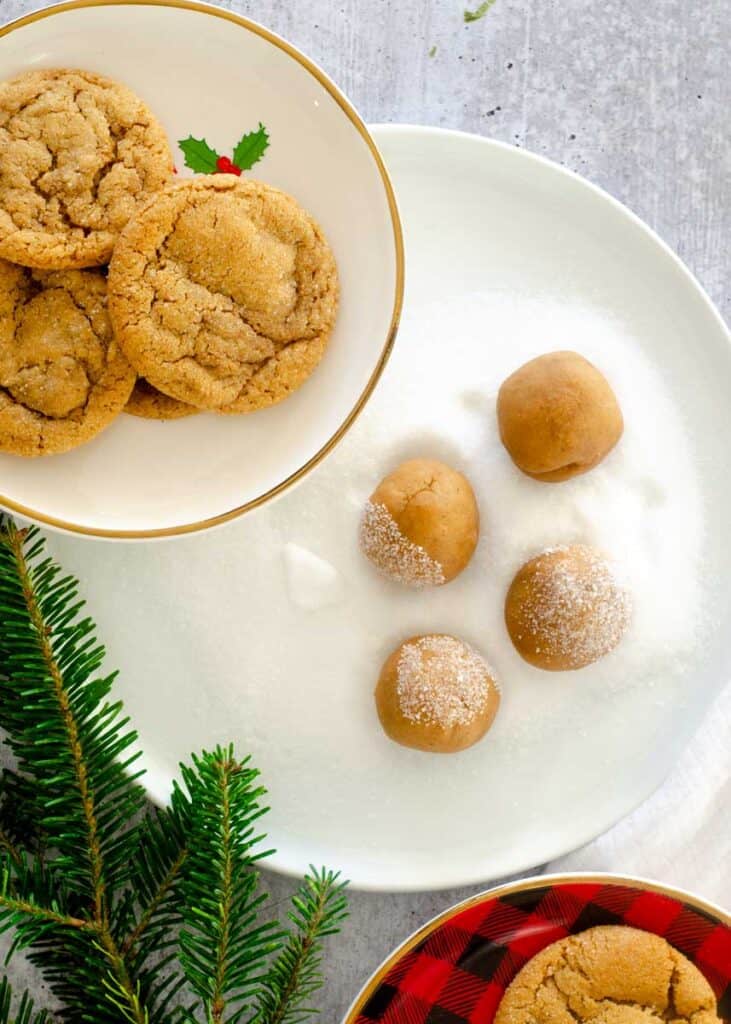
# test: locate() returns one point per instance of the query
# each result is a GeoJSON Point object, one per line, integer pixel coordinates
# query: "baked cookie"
{"type": "Point", "coordinates": [78, 153]}
{"type": "Point", "coordinates": [435, 693]}
{"type": "Point", "coordinates": [63, 378]}
{"type": "Point", "coordinates": [609, 975]}
{"type": "Point", "coordinates": [151, 404]}
{"type": "Point", "coordinates": [223, 293]}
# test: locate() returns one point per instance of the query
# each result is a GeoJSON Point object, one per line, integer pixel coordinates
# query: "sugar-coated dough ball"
{"type": "Point", "coordinates": [558, 416]}
{"type": "Point", "coordinates": [566, 608]}
{"type": "Point", "coordinates": [421, 524]}
{"type": "Point", "coordinates": [436, 693]}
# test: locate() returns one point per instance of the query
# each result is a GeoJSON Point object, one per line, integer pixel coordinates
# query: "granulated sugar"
{"type": "Point", "coordinates": [641, 507]}
{"type": "Point", "coordinates": [393, 554]}
{"type": "Point", "coordinates": [440, 681]}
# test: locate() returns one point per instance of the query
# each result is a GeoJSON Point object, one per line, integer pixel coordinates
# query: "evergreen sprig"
{"type": "Point", "coordinates": [222, 941]}
{"type": "Point", "coordinates": [19, 825]}
{"type": "Point", "coordinates": [151, 916]}
{"type": "Point", "coordinates": [318, 910]}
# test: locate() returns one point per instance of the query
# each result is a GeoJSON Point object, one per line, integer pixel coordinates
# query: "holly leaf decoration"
{"type": "Point", "coordinates": [251, 148]}
{"type": "Point", "coordinates": [199, 156]}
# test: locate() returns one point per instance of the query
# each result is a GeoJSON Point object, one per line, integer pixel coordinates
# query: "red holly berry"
{"type": "Point", "coordinates": [225, 166]}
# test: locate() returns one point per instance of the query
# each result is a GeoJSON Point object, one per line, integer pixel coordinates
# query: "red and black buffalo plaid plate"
{"type": "Point", "coordinates": [456, 969]}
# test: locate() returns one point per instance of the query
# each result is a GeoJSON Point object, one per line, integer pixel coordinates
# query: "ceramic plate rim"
{"type": "Point", "coordinates": [309, 65]}
{"type": "Point", "coordinates": [525, 885]}
{"type": "Point", "coordinates": [396, 128]}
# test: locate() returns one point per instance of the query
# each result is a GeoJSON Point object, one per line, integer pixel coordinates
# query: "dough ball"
{"type": "Point", "coordinates": [566, 609]}
{"type": "Point", "coordinates": [558, 416]}
{"type": "Point", "coordinates": [436, 693]}
{"type": "Point", "coordinates": [421, 524]}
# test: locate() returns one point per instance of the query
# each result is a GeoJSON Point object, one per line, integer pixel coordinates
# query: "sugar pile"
{"type": "Point", "coordinates": [312, 583]}
{"type": "Point", "coordinates": [641, 506]}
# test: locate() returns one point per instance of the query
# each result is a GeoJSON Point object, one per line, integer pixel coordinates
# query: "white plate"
{"type": "Point", "coordinates": [211, 647]}
{"type": "Point", "coordinates": [209, 73]}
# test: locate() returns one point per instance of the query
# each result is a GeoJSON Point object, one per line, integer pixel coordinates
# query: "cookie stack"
{"type": "Point", "coordinates": [221, 293]}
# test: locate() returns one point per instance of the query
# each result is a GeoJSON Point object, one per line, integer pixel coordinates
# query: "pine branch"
{"type": "Point", "coordinates": [36, 905]}
{"type": "Point", "coordinates": [152, 925]}
{"type": "Point", "coordinates": [154, 911]}
{"type": "Point", "coordinates": [84, 968]}
{"type": "Point", "coordinates": [222, 946]}
{"type": "Point", "coordinates": [65, 735]}
{"type": "Point", "coordinates": [320, 907]}
{"type": "Point", "coordinates": [74, 745]}
{"type": "Point", "coordinates": [8, 846]}
{"type": "Point", "coordinates": [32, 902]}
{"type": "Point", "coordinates": [20, 830]}
{"type": "Point", "coordinates": [19, 1011]}
{"type": "Point", "coordinates": [86, 981]}
{"type": "Point", "coordinates": [163, 847]}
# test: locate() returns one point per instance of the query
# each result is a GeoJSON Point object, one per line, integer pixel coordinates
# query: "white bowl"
{"type": "Point", "coordinates": [207, 72]}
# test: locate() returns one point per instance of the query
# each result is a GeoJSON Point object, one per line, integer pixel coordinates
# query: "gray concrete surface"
{"type": "Point", "coordinates": [634, 94]}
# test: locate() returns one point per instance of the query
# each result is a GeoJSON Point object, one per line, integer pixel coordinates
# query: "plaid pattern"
{"type": "Point", "coordinates": [458, 974]}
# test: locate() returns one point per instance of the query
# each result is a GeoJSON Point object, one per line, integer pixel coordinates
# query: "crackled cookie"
{"type": "Point", "coordinates": [436, 693]}
{"type": "Point", "coordinates": [421, 524]}
{"type": "Point", "coordinates": [63, 378]}
{"type": "Point", "coordinates": [558, 416]}
{"type": "Point", "coordinates": [566, 608]}
{"type": "Point", "coordinates": [610, 974]}
{"type": "Point", "coordinates": [223, 293]}
{"type": "Point", "coordinates": [78, 153]}
{"type": "Point", "coordinates": [150, 404]}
